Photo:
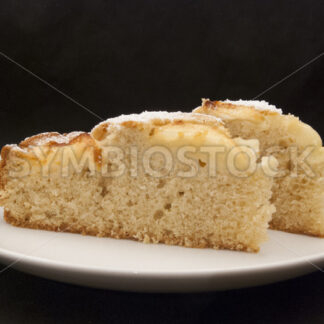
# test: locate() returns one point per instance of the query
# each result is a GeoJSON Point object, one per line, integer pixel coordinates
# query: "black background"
{"type": "Point", "coordinates": [127, 56]}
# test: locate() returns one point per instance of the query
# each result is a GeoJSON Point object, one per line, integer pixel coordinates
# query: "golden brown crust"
{"type": "Point", "coordinates": [4, 154]}
{"type": "Point", "coordinates": [120, 234]}
{"type": "Point", "coordinates": [140, 121]}
{"type": "Point", "coordinates": [4, 157]}
{"type": "Point", "coordinates": [55, 139]}
{"type": "Point", "coordinates": [52, 139]}
{"type": "Point", "coordinates": [209, 105]}
{"type": "Point", "coordinates": [100, 132]}
{"type": "Point", "coordinates": [33, 140]}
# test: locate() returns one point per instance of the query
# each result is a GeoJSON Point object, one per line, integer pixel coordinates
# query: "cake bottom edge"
{"type": "Point", "coordinates": [121, 234]}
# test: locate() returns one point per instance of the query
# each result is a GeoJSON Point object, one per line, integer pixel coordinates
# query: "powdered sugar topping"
{"type": "Point", "coordinates": [261, 105]}
{"type": "Point", "coordinates": [45, 138]}
{"type": "Point", "coordinates": [148, 116]}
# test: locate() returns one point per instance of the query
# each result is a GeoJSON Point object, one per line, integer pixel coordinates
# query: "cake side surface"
{"type": "Point", "coordinates": [298, 189]}
{"type": "Point", "coordinates": [199, 210]}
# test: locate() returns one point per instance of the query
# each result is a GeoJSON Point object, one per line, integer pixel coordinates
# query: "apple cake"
{"type": "Point", "coordinates": [298, 191]}
{"type": "Point", "coordinates": [152, 177]}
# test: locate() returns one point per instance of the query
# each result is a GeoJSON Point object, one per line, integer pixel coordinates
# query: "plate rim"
{"type": "Point", "coordinates": [27, 259]}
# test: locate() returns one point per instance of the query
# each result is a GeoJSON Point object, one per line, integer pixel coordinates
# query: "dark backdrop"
{"type": "Point", "coordinates": [126, 56]}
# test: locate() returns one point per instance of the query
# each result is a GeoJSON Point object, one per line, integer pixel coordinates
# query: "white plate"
{"type": "Point", "coordinates": [133, 266]}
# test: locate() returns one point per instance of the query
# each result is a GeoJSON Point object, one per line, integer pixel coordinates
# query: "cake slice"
{"type": "Point", "coordinates": [149, 177]}
{"type": "Point", "coordinates": [298, 191]}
